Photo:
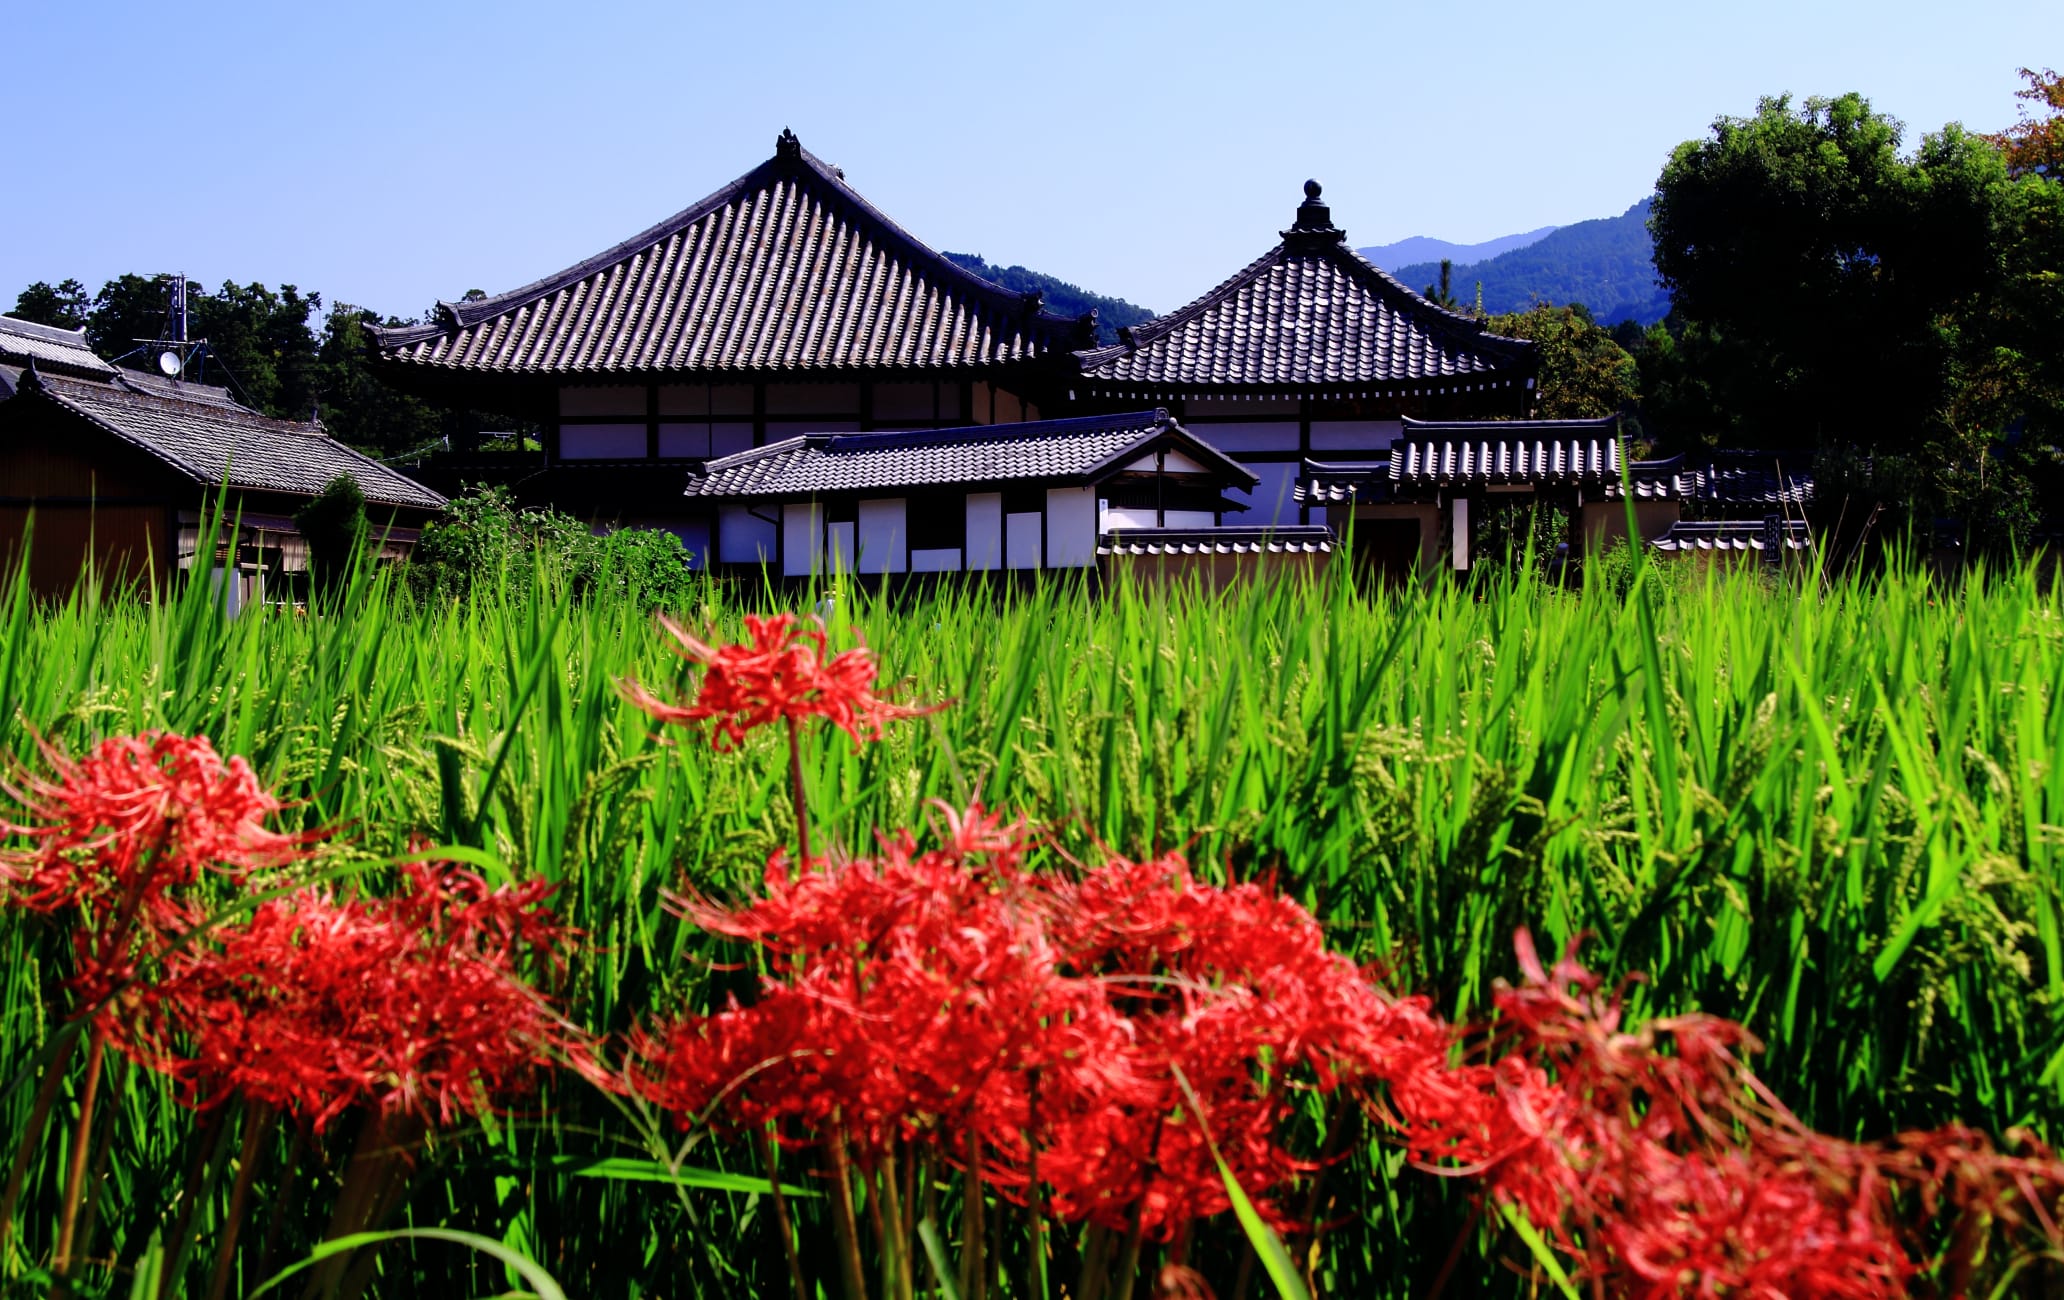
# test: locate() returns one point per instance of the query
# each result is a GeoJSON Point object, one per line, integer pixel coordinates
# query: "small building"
{"type": "Point", "coordinates": [121, 469]}
{"type": "Point", "coordinates": [782, 304]}
{"type": "Point", "coordinates": [1412, 508]}
{"type": "Point", "coordinates": [1309, 352]}
{"type": "Point", "coordinates": [1031, 496]}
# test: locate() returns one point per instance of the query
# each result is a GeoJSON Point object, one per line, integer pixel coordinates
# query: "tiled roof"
{"type": "Point", "coordinates": [1310, 314]}
{"type": "Point", "coordinates": [1770, 535]}
{"type": "Point", "coordinates": [1505, 460]}
{"type": "Point", "coordinates": [51, 350]}
{"type": "Point", "coordinates": [1068, 451]}
{"type": "Point", "coordinates": [1295, 539]}
{"type": "Point", "coordinates": [1730, 479]}
{"type": "Point", "coordinates": [786, 269]}
{"type": "Point", "coordinates": [1321, 482]}
{"type": "Point", "coordinates": [211, 444]}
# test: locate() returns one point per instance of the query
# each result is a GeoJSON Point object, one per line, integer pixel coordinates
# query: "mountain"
{"type": "Point", "coordinates": [1606, 264]}
{"type": "Point", "coordinates": [1419, 248]}
{"type": "Point", "coordinates": [1062, 298]}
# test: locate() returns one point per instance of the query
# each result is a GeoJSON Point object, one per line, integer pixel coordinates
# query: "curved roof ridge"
{"type": "Point", "coordinates": [799, 163]}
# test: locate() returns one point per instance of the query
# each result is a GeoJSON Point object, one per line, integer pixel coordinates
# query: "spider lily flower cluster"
{"type": "Point", "coordinates": [1093, 1046]}
{"type": "Point", "coordinates": [408, 1011]}
{"type": "Point", "coordinates": [1113, 1047]}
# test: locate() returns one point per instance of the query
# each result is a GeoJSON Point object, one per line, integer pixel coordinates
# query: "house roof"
{"type": "Point", "coordinates": [1486, 461]}
{"type": "Point", "coordinates": [1238, 539]}
{"type": "Point", "coordinates": [1309, 314]}
{"type": "Point", "coordinates": [1770, 535]}
{"type": "Point", "coordinates": [213, 443]}
{"type": "Point", "coordinates": [1729, 478]}
{"type": "Point", "coordinates": [1082, 450]}
{"type": "Point", "coordinates": [51, 350]}
{"type": "Point", "coordinates": [787, 269]}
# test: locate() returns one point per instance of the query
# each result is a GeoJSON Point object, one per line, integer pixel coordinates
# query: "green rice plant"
{"type": "Point", "coordinates": [1825, 805]}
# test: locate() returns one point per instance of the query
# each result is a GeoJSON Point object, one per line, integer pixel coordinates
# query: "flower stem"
{"type": "Point", "coordinates": [32, 1136]}
{"type": "Point", "coordinates": [1032, 1199]}
{"type": "Point", "coordinates": [795, 791]}
{"type": "Point", "coordinates": [258, 1126]}
{"type": "Point", "coordinates": [973, 1272]}
{"type": "Point", "coordinates": [845, 1224]}
{"type": "Point", "coordinates": [75, 1181]}
{"type": "Point", "coordinates": [769, 1154]}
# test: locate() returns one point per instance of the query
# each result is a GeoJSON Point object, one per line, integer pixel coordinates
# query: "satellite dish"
{"type": "Point", "coordinates": [168, 361]}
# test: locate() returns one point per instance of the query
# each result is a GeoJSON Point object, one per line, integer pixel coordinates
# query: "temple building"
{"type": "Point", "coordinates": [786, 305]}
{"type": "Point", "coordinates": [782, 304]}
{"type": "Point", "coordinates": [1310, 352]}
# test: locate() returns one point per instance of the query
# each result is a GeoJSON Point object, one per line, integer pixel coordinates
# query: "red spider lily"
{"type": "Point", "coordinates": [920, 989]}
{"type": "Point", "coordinates": [1234, 989]}
{"type": "Point", "coordinates": [120, 833]}
{"type": "Point", "coordinates": [412, 1005]}
{"type": "Point", "coordinates": [135, 818]}
{"type": "Point", "coordinates": [782, 676]}
{"type": "Point", "coordinates": [1674, 1172]}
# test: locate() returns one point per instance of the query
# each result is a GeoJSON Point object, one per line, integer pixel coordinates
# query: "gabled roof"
{"type": "Point", "coordinates": [212, 444]}
{"type": "Point", "coordinates": [1310, 314]}
{"type": "Point", "coordinates": [1061, 452]}
{"type": "Point", "coordinates": [1480, 463]}
{"type": "Point", "coordinates": [787, 269]}
{"type": "Point", "coordinates": [51, 350]}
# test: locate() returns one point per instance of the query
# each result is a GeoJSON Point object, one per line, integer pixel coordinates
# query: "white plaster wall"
{"type": "Point", "coordinates": [1126, 517]}
{"type": "Point", "coordinates": [984, 530]}
{"type": "Point", "coordinates": [802, 539]}
{"type": "Point", "coordinates": [743, 537]}
{"type": "Point", "coordinates": [1273, 500]}
{"type": "Point", "coordinates": [1190, 519]}
{"type": "Point", "coordinates": [1071, 527]}
{"type": "Point", "coordinates": [838, 539]}
{"type": "Point", "coordinates": [884, 530]}
{"type": "Point", "coordinates": [940, 560]}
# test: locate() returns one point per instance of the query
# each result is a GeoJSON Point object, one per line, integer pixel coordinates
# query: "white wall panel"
{"type": "Point", "coordinates": [936, 560]}
{"type": "Point", "coordinates": [884, 532]}
{"type": "Point", "coordinates": [1273, 500]}
{"type": "Point", "coordinates": [1191, 519]}
{"type": "Point", "coordinates": [984, 530]}
{"type": "Point", "coordinates": [744, 537]}
{"type": "Point", "coordinates": [1071, 527]}
{"type": "Point", "coordinates": [802, 540]}
{"type": "Point", "coordinates": [838, 539]}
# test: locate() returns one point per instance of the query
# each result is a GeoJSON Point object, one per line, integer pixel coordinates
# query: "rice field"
{"type": "Point", "coordinates": [1827, 807]}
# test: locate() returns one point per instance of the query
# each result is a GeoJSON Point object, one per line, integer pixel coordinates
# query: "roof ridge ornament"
{"type": "Point", "coordinates": [787, 147]}
{"type": "Point", "coordinates": [1314, 226]}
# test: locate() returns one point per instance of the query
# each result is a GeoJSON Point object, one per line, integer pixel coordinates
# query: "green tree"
{"type": "Point", "coordinates": [2034, 146]}
{"type": "Point", "coordinates": [1584, 372]}
{"type": "Point", "coordinates": [63, 304]}
{"type": "Point", "coordinates": [358, 406]}
{"type": "Point", "coordinates": [1816, 264]}
{"type": "Point", "coordinates": [333, 523]}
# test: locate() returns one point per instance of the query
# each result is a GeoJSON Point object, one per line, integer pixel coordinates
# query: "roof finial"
{"type": "Point", "coordinates": [787, 146]}
{"type": "Point", "coordinates": [1314, 219]}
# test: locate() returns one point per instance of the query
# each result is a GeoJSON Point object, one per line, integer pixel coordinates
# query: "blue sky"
{"type": "Point", "coordinates": [392, 153]}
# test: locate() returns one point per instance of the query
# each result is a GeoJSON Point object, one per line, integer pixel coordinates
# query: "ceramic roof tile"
{"type": "Point", "coordinates": [787, 269]}
{"type": "Point", "coordinates": [1072, 450]}
{"type": "Point", "coordinates": [1310, 313]}
{"type": "Point", "coordinates": [211, 443]}
{"type": "Point", "coordinates": [51, 350]}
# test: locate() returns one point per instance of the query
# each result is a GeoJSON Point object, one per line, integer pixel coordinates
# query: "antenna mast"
{"type": "Point", "coordinates": [176, 349]}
